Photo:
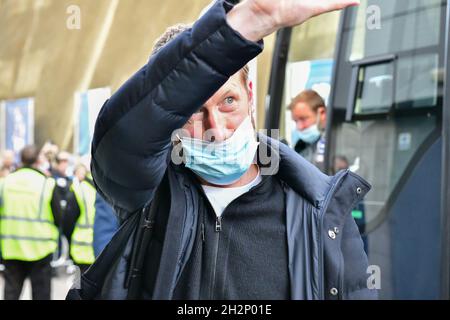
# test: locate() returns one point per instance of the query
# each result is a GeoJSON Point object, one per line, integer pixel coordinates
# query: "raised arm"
{"type": "Point", "coordinates": [131, 144]}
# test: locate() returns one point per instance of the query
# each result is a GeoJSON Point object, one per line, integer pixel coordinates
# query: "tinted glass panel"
{"type": "Point", "coordinates": [375, 89]}
{"type": "Point", "coordinates": [417, 81]}
{"type": "Point", "coordinates": [385, 26]}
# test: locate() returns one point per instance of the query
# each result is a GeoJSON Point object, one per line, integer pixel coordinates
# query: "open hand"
{"type": "Point", "coordinates": [288, 13]}
{"type": "Point", "coordinates": [255, 19]}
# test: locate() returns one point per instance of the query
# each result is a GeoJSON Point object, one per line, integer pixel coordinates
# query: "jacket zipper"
{"type": "Point", "coordinates": [218, 227]}
{"type": "Point", "coordinates": [322, 213]}
{"type": "Point", "coordinates": [218, 230]}
{"type": "Point", "coordinates": [218, 224]}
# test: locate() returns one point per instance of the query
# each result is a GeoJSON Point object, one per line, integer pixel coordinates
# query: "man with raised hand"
{"type": "Point", "coordinates": [221, 221]}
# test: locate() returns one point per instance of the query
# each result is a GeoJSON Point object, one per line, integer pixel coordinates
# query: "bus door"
{"type": "Point", "coordinates": [386, 120]}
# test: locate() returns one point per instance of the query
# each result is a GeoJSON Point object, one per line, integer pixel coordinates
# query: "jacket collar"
{"type": "Point", "coordinates": [299, 174]}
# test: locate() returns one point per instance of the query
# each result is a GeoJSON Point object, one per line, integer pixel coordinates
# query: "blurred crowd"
{"type": "Point", "coordinates": [52, 162]}
{"type": "Point", "coordinates": [51, 217]}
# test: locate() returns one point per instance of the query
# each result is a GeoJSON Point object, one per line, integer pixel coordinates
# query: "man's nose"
{"type": "Point", "coordinates": [301, 125]}
{"type": "Point", "coordinates": [215, 130]}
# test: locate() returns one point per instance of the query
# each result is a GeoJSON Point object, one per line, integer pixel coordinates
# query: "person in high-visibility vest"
{"type": "Point", "coordinates": [106, 224]}
{"type": "Point", "coordinates": [81, 244]}
{"type": "Point", "coordinates": [28, 227]}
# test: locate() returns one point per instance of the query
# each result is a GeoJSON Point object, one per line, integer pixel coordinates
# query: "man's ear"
{"type": "Point", "coordinates": [250, 92]}
{"type": "Point", "coordinates": [323, 116]}
{"type": "Point", "coordinates": [322, 111]}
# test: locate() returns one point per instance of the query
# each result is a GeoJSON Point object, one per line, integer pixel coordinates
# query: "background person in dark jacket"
{"type": "Point", "coordinates": [105, 224]}
{"type": "Point", "coordinates": [222, 221]}
{"type": "Point", "coordinates": [309, 113]}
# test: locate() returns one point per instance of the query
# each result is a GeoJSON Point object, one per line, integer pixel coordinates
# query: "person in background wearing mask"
{"type": "Point", "coordinates": [309, 112]}
{"type": "Point", "coordinates": [217, 224]}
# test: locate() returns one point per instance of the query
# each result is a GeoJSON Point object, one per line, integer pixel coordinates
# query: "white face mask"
{"type": "Point", "coordinates": [222, 163]}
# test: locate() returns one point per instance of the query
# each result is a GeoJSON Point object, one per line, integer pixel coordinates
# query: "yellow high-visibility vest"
{"type": "Point", "coordinates": [81, 248]}
{"type": "Point", "coordinates": [27, 229]}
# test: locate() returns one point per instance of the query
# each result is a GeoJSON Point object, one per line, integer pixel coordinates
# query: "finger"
{"type": "Point", "coordinates": [324, 6]}
{"type": "Point", "coordinates": [332, 5]}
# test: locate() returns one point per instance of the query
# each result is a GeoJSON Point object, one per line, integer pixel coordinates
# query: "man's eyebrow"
{"type": "Point", "coordinates": [228, 92]}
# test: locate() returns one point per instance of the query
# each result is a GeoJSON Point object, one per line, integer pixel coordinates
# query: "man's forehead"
{"type": "Point", "coordinates": [302, 107]}
{"type": "Point", "coordinates": [233, 83]}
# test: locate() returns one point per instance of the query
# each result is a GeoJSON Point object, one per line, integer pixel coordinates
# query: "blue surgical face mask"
{"type": "Point", "coordinates": [222, 163]}
{"type": "Point", "coordinates": [308, 135]}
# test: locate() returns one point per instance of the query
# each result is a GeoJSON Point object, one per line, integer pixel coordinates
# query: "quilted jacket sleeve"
{"type": "Point", "coordinates": [131, 145]}
{"type": "Point", "coordinates": [356, 264]}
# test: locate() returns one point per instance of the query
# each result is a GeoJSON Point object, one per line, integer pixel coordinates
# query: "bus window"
{"type": "Point", "coordinates": [402, 25]}
{"type": "Point", "coordinates": [375, 89]}
{"type": "Point", "coordinates": [418, 81]}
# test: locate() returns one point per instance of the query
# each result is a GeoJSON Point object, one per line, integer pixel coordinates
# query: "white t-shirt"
{"type": "Point", "coordinates": [220, 198]}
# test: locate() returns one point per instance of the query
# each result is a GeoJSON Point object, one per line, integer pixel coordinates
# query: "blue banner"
{"type": "Point", "coordinates": [19, 124]}
{"type": "Point", "coordinates": [89, 105]}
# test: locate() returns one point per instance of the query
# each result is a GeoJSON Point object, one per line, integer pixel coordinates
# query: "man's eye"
{"type": "Point", "coordinates": [229, 100]}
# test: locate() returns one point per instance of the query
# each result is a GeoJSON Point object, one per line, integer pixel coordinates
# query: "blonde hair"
{"type": "Point", "coordinates": [309, 97]}
{"type": "Point", "coordinates": [168, 35]}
